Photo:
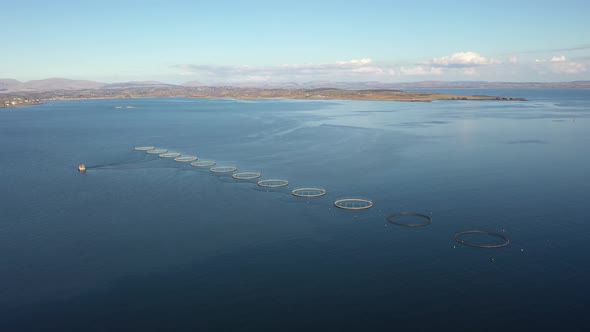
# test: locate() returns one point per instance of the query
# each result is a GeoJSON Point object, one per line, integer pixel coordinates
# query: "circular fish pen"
{"type": "Point", "coordinates": [203, 163]}
{"type": "Point", "coordinates": [170, 155]}
{"type": "Point", "coordinates": [157, 151]}
{"type": "Point", "coordinates": [353, 204]}
{"type": "Point", "coordinates": [223, 169]}
{"type": "Point", "coordinates": [394, 219]}
{"type": "Point", "coordinates": [144, 148]}
{"type": "Point", "coordinates": [505, 239]}
{"type": "Point", "coordinates": [185, 159]}
{"type": "Point", "coordinates": [273, 183]}
{"type": "Point", "coordinates": [246, 175]}
{"type": "Point", "coordinates": [308, 192]}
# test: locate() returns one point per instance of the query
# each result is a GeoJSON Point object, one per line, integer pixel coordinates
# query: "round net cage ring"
{"type": "Point", "coordinates": [203, 163]}
{"type": "Point", "coordinates": [185, 159]}
{"type": "Point", "coordinates": [246, 175]}
{"type": "Point", "coordinates": [157, 151]}
{"type": "Point", "coordinates": [504, 238]}
{"type": "Point", "coordinates": [273, 183]}
{"type": "Point", "coordinates": [170, 155]}
{"type": "Point", "coordinates": [144, 148]}
{"type": "Point", "coordinates": [223, 169]}
{"type": "Point", "coordinates": [308, 192]}
{"type": "Point", "coordinates": [427, 220]}
{"type": "Point", "coordinates": [353, 204]}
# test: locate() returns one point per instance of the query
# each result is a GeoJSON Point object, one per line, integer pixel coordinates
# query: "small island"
{"type": "Point", "coordinates": [28, 98]}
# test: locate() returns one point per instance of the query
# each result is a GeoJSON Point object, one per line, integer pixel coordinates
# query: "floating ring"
{"type": "Point", "coordinates": [273, 183]}
{"type": "Point", "coordinates": [157, 151]}
{"type": "Point", "coordinates": [477, 245]}
{"type": "Point", "coordinates": [203, 163]}
{"type": "Point", "coordinates": [144, 148]}
{"type": "Point", "coordinates": [246, 175]}
{"type": "Point", "coordinates": [170, 155]}
{"type": "Point", "coordinates": [353, 204]}
{"type": "Point", "coordinates": [392, 216]}
{"type": "Point", "coordinates": [185, 159]}
{"type": "Point", "coordinates": [223, 169]}
{"type": "Point", "coordinates": [308, 192]}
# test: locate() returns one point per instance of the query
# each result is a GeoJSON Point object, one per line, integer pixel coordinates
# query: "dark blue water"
{"type": "Point", "coordinates": [141, 243]}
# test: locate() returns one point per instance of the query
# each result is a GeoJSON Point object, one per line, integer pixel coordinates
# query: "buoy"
{"type": "Point", "coordinates": [81, 168]}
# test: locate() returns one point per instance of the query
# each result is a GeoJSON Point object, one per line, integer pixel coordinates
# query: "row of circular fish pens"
{"type": "Point", "coordinates": [345, 203]}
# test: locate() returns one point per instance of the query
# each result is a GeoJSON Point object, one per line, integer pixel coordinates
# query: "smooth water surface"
{"type": "Point", "coordinates": [143, 243]}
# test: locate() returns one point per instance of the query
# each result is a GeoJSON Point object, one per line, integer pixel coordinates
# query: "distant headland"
{"type": "Point", "coordinates": [15, 93]}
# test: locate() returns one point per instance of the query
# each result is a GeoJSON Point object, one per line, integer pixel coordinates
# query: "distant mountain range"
{"type": "Point", "coordinates": [9, 85]}
{"type": "Point", "coordinates": [51, 84]}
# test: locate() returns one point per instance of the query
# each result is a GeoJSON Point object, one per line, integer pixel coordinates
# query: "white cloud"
{"type": "Point", "coordinates": [420, 71]}
{"type": "Point", "coordinates": [365, 61]}
{"type": "Point", "coordinates": [343, 67]}
{"type": "Point", "coordinates": [560, 65]}
{"type": "Point", "coordinates": [369, 70]}
{"type": "Point", "coordinates": [356, 65]}
{"type": "Point", "coordinates": [461, 60]}
{"type": "Point", "coordinates": [348, 68]}
{"type": "Point", "coordinates": [567, 67]}
{"type": "Point", "coordinates": [558, 59]}
{"type": "Point", "coordinates": [458, 66]}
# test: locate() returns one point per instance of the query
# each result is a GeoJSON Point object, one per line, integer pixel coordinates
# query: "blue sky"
{"type": "Point", "coordinates": [215, 41]}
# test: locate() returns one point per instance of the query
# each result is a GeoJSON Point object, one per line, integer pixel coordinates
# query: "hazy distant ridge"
{"type": "Point", "coordinates": [9, 85]}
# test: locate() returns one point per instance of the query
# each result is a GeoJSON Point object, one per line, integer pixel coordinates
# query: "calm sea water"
{"type": "Point", "coordinates": [142, 243]}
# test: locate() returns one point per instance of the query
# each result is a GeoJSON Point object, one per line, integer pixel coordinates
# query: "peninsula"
{"type": "Point", "coordinates": [14, 99]}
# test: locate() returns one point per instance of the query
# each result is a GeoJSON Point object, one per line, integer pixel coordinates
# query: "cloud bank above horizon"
{"type": "Point", "coordinates": [459, 65]}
